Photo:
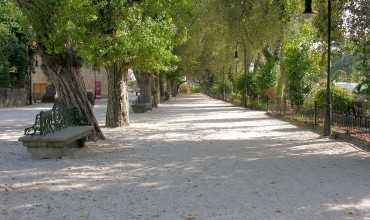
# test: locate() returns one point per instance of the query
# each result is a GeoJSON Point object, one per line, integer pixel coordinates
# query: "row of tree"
{"type": "Point", "coordinates": [115, 34]}
{"type": "Point", "coordinates": [259, 49]}
{"type": "Point", "coordinates": [254, 48]}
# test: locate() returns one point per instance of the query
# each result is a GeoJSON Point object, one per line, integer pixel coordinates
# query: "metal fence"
{"type": "Point", "coordinates": [347, 122]}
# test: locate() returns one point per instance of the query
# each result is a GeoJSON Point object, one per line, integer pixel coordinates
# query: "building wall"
{"type": "Point", "coordinates": [90, 75]}
{"type": "Point", "coordinates": [12, 97]}
{"type": "Point", "coordinates": [40, 80]}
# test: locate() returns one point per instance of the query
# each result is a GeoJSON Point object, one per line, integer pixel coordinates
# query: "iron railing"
{"type": "Point", "coordinates": [59, 117]}
{"type": "Point", "coordinates": [344, 121]}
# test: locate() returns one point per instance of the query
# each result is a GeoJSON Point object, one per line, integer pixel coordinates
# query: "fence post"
{"type": "Point", "coordinates": [315, 113]}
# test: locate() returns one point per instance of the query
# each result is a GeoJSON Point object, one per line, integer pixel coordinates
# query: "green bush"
{"type": "Point", "coordinates": [196, 89]}
{"type": "Point", "coordinates": [217, 90]}
{"type": "Point", "coordinates": [4, 73]}
{"type": "Point", "coordinates": [341, 98]}
{"type": "Point", "coordinates": [266, 78]}
{"type": "Point", "coordinates": [132, 84]}
{"type": "Point", "coordinates": [258, 103]}
{"type": "Point", "coordinates": [227, 85]}
{"type": "Point", "coordinates": [300, 72]}
{"type": "Point", "coordinates": [13, 49]}
{"type": "Point", "coordinates": [213, 91]}
{"type": "Point", "coordinates": [250, 82]}
{"type": "Point", "coordinates": [235, 98]}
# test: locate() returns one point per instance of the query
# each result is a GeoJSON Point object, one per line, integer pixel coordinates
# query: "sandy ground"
{"type": "Point", "coordinates": [194, 158]}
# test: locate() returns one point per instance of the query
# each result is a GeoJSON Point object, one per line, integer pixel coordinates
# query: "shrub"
{"type": "Point", "coordinates": [227, 85]}
{"type": "Point", "coordinates": [301, 73]}
{"type": "Point", "coordinates": [341, 98]}
{"type": "Point", "coordinates": [185, 88]}
{"type": "Point", "coordinates": [235, 98]}
{"type": "Point", "coordinates": [250, 83]}
{"type": "Point", "coordinates": [132, 84]}
{"type": "Point", "coordinates": [196, 89]}
{"type": "Point", "coordinates": [258, 104]}
{"type": "Point", "coordinates": [266, 78]}
{"type": "Point", "coordinates": [214, 91]}
{"type": "Point", "coordinates": [217, 90]}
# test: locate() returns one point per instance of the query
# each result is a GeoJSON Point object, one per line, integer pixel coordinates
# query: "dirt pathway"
{"type": "Point", "coordinates": [194, 158]}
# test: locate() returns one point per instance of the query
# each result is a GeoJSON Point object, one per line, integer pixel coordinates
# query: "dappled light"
{"type": "Point", "coordinates": [184, 110]}
{"type": "Point", "coordinates": [232, 160]}
{"type": "Point", "coordinates": [352, 209]}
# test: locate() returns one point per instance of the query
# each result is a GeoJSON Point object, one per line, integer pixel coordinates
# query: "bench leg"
{"type": "Point", "coordinates": [81, 142]}
{"type": "Point", "coordinates": [46, 153]}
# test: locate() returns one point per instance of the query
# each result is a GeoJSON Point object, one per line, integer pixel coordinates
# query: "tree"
{"type": "Point", "coordinates": [13, 46]}
{"type": "Point", "coordinates": [145, 82]}
{"type": "Point", "coordinates": [128, 34]}
{"type": "Point", "coordinates": [299, 34]}
{"type": "Point", "coordinates": [206, 54]}
{"type": "Point", "coordinates": [266, 74]}
{"type": "Point", "coordinates": [320, 23]}
{"type": "Point", "coordinates": [56, 24]}
{"type": "Point", "coordinates": [297, 64]}
{"type": "Point", "coordinates": [357, 23]}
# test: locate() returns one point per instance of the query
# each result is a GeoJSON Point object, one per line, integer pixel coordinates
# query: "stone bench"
{"type": "Point", "coordinates": [58, 144]}
{"type": "Point", "coordinates": [56, 133]}
{"type": "Point", "coordinates": [141, 108]}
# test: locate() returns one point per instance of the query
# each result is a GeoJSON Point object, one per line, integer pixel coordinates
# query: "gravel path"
{"type": "Point", "coordinates": [194, 158]}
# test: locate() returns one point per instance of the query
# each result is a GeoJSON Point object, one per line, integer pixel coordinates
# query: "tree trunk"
{"type": "Point", "coordinates": [168, 89]}
{"type": "Point", "coordinates": [64, 72]}
{"type": "Point", "coordinates": [28, 86]}
{"type": "Point", "coordinates": [322, 64]}
{"type": "Point", "coordinates": [144, 81]}
{"type": "Point", "coordinates": [175, 88]}
{"type": "Point", "coordinates": [156, 92]}
{"type": "Point", "coordinates": [162, 87]}
{"type": "Point", "coordinates": [118, 103]}
{"type": "Point", "coordinates": [247, 63]}
{"type": "Point", "coordinates": [28, 77]}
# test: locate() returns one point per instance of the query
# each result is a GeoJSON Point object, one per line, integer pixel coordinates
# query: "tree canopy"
{"type": "Point", "coordinates": [254, 48]}
{"type": "Point", "coordinates": [14, 39]}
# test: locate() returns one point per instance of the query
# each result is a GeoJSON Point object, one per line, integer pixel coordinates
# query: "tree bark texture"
{"type": "Point", "coordinates": [246, 71]}
{"type": "Point", "coordinates": [144, 81]}
{"type": "Point", "coordinates": [28, 86]}
{"type": "Point", "coordinates": [118, 102]}
{"type": "Point", "coordinates": [168, 89]}
{"type": "Point", "coordinates": [174, 88]}
{"type": "Point", "coordinates": [63, 71]}
{"type": "Point", "coordinates": [162, 87]}
{"type": "Point", "coordinates": [156, 91]}
{"type": "Point", "coordinates": [30, 71]}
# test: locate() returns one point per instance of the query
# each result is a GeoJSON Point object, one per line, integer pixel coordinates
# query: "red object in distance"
{"type": "Point", "coordinates": [97, 89]}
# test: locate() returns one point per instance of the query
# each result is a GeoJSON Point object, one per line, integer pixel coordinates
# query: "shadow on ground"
{"type": "Point", "coordinates": [194, 157]}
